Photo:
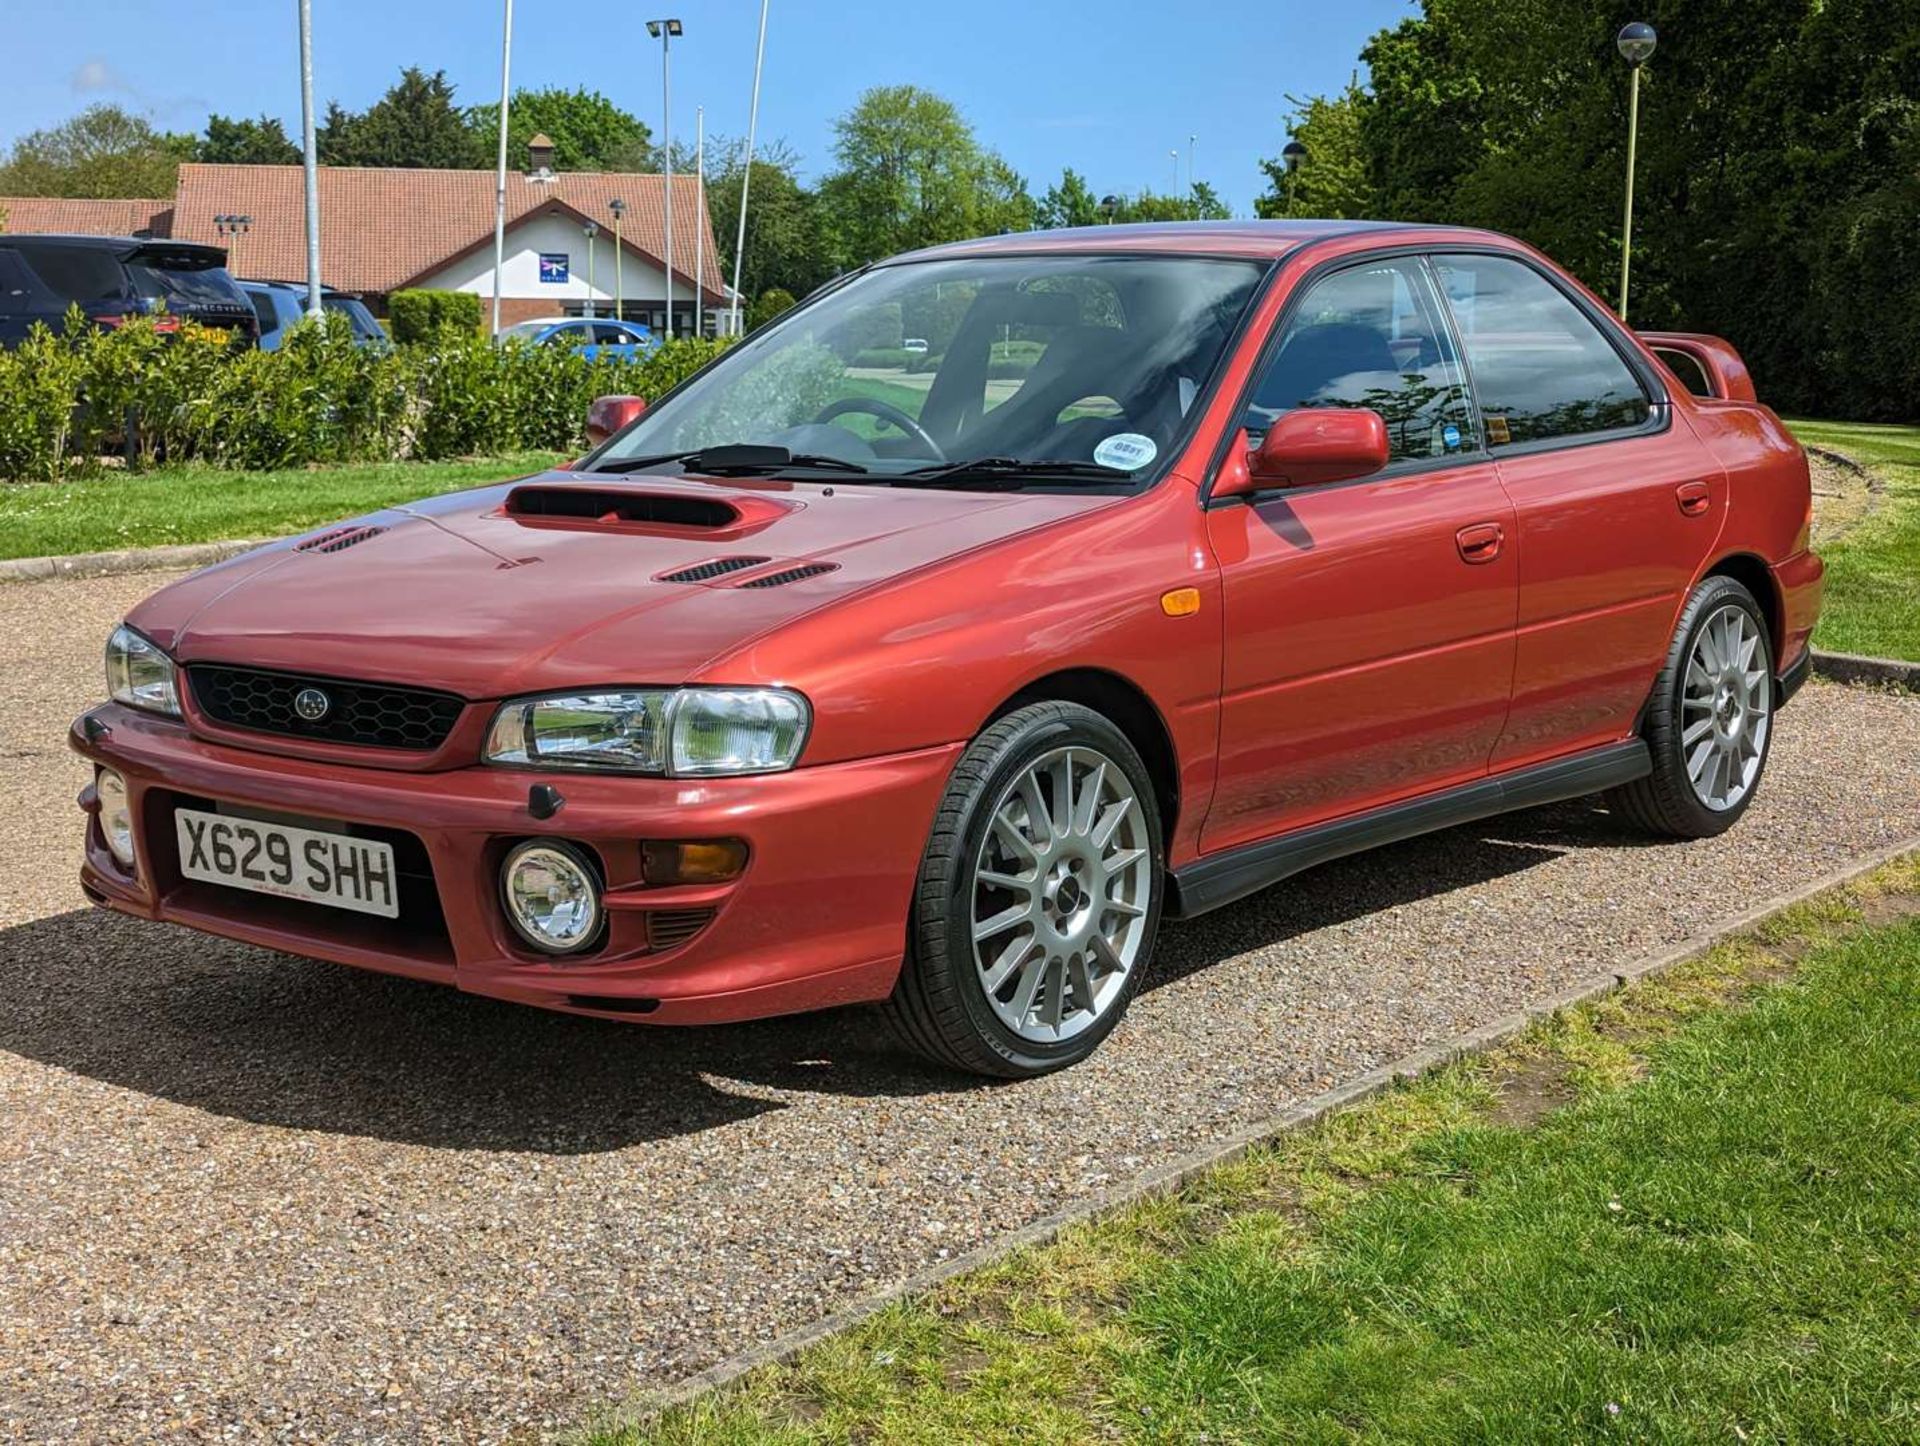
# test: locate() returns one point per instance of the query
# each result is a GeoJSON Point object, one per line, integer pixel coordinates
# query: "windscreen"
{"type": "Point", "coordinates": [1097, 361]}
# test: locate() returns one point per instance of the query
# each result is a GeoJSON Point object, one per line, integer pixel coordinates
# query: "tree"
{"type": "Point", "coordinates": [102, 152]}
{"type": "Point", "coordinates": [1068, 202]}
{"type": "Point", "coordinates": [911, 173]}
{"type": "Point", "coordinates": [588, 131]}
{"type": "Point", "coordinates": [1335, 179]}
{"type": "Point", "coordinates": [415, 124]}
{"type": "Point", "coordinates": [261, 142]}
{"type": "Point", "coordinates": [787, 243]}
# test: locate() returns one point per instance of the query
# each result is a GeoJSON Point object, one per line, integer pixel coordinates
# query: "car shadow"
{"type": "Point", "coordinates": [248, 1034]}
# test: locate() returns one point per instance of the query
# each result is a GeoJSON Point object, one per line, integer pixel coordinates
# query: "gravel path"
{"type": "Point", "coordinates": [244, 1196]}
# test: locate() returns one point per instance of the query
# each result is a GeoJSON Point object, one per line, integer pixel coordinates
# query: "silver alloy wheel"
{"type": "Point", "coordinates": [1061, 890]}
{"type": "Point", "coordinates": [1725, 708]}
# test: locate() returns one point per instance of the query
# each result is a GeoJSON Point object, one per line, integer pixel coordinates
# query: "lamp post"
{"type": "Point", "coordinates": [310, 158]}
{"type": "Point", "coordinates": [1635, 41]}
{"type": "Point", "coordinates": [230, 228]}
{"type": "Point", "coordinates": [1109, 205]}
{"type": "Point", "coordinates": [619, 209]}
{"type": "Point", "coordinates": [1291, 155]}
{"type": "Point", "coordinates": [746, 173]}
{"type": "Point", "coordinates": [590, 230]}
{"type": "Point", "coordinates": [1174, 156]}
{"type": "Point", "coordinates": [665, 31]}
{"type": "Point", "coordinates": [500, 180]}
{"type": "Point", "coordinates": [1191, 140]}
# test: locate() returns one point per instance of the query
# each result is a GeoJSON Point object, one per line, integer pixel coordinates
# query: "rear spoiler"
{"type": "Point", "coordinates": [1705, 365]}
{"type": "Point", "coordinates": [178, 255]}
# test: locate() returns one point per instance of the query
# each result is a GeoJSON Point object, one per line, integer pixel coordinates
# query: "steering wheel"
{"type": "Point", "coordinates": [886, 412]}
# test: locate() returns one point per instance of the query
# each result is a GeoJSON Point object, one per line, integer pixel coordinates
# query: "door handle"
{"type": "Point", "coordinates": [1480, 542]}
{"type": "Point", "coordinates": [1694, 498]}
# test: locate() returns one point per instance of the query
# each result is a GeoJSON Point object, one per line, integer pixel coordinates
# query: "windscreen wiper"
{"type": "Point", "coordinates": [735, 459]}
{"type": "Point", "coordinates": [1007, 473]}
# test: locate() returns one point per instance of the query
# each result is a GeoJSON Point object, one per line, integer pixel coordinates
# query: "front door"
{"type": "Point", "coordinates": [1369, 624]}
{"type": "Point", "coordinates": [1618, 504]}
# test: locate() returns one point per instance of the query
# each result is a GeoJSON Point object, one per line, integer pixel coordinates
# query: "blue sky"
{"type": "Point", "coordinates": [1109, 88]}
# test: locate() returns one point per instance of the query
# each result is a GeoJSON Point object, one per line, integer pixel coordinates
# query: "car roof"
{"type": "Point", "coordinates": [119, 244]}
{"type": "Point", "coordinates": [1268, 239]}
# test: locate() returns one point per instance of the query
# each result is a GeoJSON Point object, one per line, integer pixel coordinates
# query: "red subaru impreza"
{"type": "Point", "coordinates": [1167, 562]}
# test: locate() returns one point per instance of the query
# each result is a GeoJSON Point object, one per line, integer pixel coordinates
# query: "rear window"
{"type": "Point", "coordinates": [78, 273]}
{"type": "Point", "coordinates": [183, 286]}
{"type": "Point", "coordinates": [355, 311]}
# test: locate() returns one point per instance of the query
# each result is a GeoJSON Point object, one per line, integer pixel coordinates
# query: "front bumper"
{"type": "Point", "coordinates": [818, 918]}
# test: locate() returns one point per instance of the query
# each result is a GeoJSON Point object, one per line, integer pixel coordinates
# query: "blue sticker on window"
{"type": "Point", "coordinates": [1451, 436]}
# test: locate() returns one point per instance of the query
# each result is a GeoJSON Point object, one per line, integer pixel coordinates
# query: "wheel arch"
{"type": "Point", "coordinates": [1127, 705]}
{"type": "Point", "coordinates": [1752, 573]}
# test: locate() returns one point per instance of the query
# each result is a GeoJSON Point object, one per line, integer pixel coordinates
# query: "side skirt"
{"type": "Point", "coordinates": [1223, 878]}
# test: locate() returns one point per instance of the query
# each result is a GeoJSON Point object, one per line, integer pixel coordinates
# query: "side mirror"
{"type": "Point", "coordinates": [1308, 447]}
{"type": "Point", "coordinates": [607, 415]}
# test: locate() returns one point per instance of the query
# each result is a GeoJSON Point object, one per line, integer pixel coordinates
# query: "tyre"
{"type": "Point", "coordinates": [1038, 899]}
{"type": "Point", "coordinates": [1710, 719]}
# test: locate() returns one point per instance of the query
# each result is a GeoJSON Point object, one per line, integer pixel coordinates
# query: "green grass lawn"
{"type": "Point", "coordinates": [1689, 1211]}
{"type": "Point", "coordinates": [1873, 572]}
{"type": "Point", "coordinates": [203, 504]}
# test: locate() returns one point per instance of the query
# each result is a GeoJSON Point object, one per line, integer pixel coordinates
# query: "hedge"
{"type": "Point", "coordinates": [66, 399]}
{"type": "Point", "coordinates": [417, 315]}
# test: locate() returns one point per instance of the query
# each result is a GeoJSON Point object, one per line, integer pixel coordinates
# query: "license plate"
{"type": "Point", "coordinates": [335, 869]}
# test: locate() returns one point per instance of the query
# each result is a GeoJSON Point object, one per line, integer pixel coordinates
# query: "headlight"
{"type": "Point", "coordinates": [688, 732]}
{"type": "Point", "coordinates": [139, 674]}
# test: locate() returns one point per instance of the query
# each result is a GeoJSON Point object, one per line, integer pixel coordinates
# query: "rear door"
{"type": "Point", "coordinates": [1369, 624]}
{"type": "Point", "coordinates": [1617, 503]}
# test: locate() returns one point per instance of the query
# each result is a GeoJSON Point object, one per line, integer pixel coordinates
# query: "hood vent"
{"type": "Point", "coordinates": [706, 571]}
{"type": "Point", "coordinates": [613, 507]}
{"type": "Point", "coordinates": [338, 539]}
{"type": "Point", "coordinates": [791, 574]}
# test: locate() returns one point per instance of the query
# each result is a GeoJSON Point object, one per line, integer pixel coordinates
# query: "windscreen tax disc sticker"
{"type": "Point", "coordinates": [1127, 450]}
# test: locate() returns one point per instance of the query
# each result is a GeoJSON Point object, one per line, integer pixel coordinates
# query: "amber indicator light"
{"type": "Point", "coordinates": [693, 861]}
{"type": "Point", "coordinates": [1181, 602]}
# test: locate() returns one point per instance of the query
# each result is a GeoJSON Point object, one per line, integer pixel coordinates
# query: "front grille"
{"type": "Point", "coordinates": [371, 715]}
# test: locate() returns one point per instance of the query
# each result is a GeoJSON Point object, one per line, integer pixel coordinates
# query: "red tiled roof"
{"type": "Point", "coordinates": [384, 229]}
{"type": "Point", "coordinates": [62, 216]}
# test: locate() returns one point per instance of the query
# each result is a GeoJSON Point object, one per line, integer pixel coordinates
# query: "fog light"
{"type": "Point", "coordinates": [552, 896]}
{"type": "Point", "coordinates": [116, 815]}
{"type": "Point", "coordinates": [693, 861]}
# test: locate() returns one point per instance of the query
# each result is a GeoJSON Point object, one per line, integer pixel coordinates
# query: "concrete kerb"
{"type": "Point", "coordinates": [132, 559]}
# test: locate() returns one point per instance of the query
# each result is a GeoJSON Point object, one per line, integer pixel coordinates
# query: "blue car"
{"type": "Point", "coordinates": [279, 304]}
{"type": "Point", "coordinates": [590, 336]}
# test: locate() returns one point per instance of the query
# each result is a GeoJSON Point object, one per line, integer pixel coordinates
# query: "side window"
{"type": "Point", "coordinates": [1373, 336]}
{"type": "Point", "coordinates": [1540, 368]}
{"type": "Point", "coordinates": [78, 273]}
{"type": "Point", "coordinates": [263, 308]}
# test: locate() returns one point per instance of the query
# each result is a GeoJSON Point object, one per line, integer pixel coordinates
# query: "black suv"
{"type": "Point", "coordinates": [111, 278]}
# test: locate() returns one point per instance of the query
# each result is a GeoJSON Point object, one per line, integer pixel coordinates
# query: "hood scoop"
{"type": "Point", "coordinates": [338, 539]}
{"type": "Point", "coordinates": [790, 574]}
{"type": "Point", "coordinates": [707, 571]}
{"type": "Point", "coordinates": [655, 512]}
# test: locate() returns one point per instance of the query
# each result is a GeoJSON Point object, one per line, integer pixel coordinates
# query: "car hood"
{"type": "Point", "coordinates": [569, 579]}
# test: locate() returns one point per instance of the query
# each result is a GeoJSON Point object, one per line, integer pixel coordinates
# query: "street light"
{"type": "Point", "coordinates": [1635, 41]}
{"type": "Point", "coordinates": [1191, 139]}
{"type": "Point", "coordinates": [309, 158]}
{"type": "Point", "coordinates": [590, 230]}
{"type": "Point", "coordinates": [666, 31]}
{"type": "Point", "coordinates": [1292, 155]}
{"type": "Point", "coordinates": [1109, 205]}
{"type": "Point", "coordinates": [619, 209]}
{"type": "Point", "coordinates": [699, 221]}
{"type": "Point", "coordinates": [1174, 156]}
{"type": "Point", "coordinates": [229, 227]}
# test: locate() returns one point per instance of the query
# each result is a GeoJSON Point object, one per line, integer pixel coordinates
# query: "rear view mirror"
{"type": "Point", "coordinates": [607, 415]}
{"type": "Point", "coordinates": [1309, 447]}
